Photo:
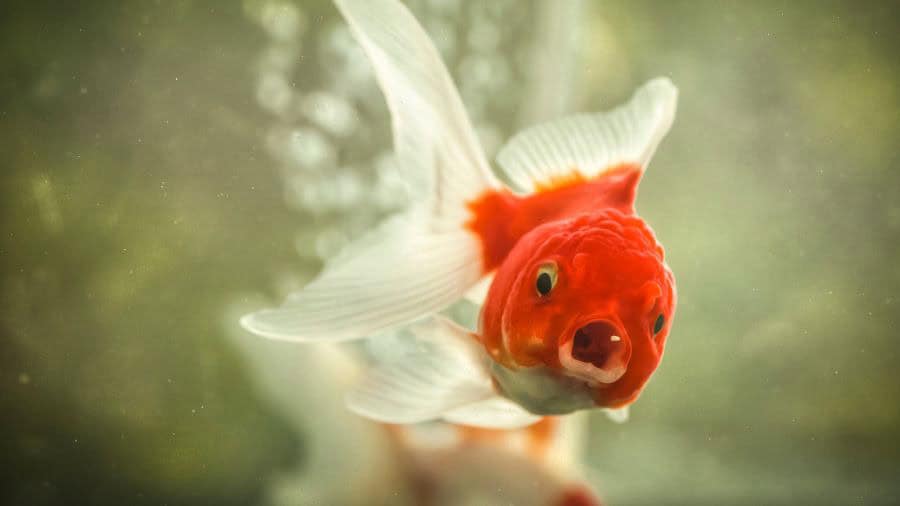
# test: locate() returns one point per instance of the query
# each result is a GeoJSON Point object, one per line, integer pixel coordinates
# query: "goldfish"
{"type": "Point", "coordinates": [579, 299]}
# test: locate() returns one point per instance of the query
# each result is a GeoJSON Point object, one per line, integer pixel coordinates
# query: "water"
{"type": "Point", "coordinates": [168, 167]}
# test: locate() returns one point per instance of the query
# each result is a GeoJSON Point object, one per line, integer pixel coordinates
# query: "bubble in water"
{"type": "Point", "coordinates": [331, 112]}
{"type": "Point", "coordinates": [338, 43]}
{"type": "Point", "coordinates": [273, 92]}
{"type": "Point", "coordinates": [278, 58]}
{"type": "Point", "coordinates": [309, 149]}
{"type": "Point", "coordinates": [329, 242]}
{"type": "Point", "coordinates": [481, 71]}
{"type": "Point", "coordinates": [309, 196]}
{"type": "Point", "coordinates": [348, 189]}
{"type": "Point", "coordinates": [282, 20]}
{"type": "Point", "coordinates": [348, 61]}
{"type": "Point", "coordinates": [304, 194]}
{"type": "Point", "coordinates": [391, 192]}
{"type": "Point", "coordinates": [305, 243]}
{"type": "Point", "coordinates": [328, 195]}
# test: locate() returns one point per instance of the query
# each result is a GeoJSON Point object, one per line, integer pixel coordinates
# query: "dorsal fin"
{"type": "Point", "coordinates": [588, 145]}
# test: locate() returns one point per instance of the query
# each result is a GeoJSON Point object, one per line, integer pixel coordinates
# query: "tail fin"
{"type": "Point", "coordinates": [419, 262]}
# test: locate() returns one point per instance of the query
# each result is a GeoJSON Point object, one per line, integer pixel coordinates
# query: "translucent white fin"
{"type": "Point", "coordinates": [411, 270]}
{"type": "Point", "coordinates": [479, 292]}
{"type": "Point", "coordinates": [420, 262]}
{"type": "Point", "coordinates": [619, 415]}
{"type": "Point", "coordinates": [440, 369]}
{"type": "Point", "coordinates": [493, 413]}
{"type": "Point", "coordinates": [592, 143]}
{"type": "Point", "coordinates": [436, 146]}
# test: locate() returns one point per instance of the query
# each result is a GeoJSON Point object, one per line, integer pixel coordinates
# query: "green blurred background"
{"type": "Point", "coordinates": [168, 165]}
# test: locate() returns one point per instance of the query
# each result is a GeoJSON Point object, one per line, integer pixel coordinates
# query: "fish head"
{"type": "Point", "coordinates": [589, 298]}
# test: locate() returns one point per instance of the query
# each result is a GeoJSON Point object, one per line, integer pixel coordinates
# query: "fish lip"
{"type": "Point", "coordinates": [614, 366]}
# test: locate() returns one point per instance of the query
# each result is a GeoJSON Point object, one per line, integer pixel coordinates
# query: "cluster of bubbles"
{"type": "Point", "coordinates": [330, 132]}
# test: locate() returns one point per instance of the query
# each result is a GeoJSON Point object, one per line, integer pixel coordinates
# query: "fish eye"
{"type": "Point", "coordinates": [546, 279]}
{"type": "Point", "coordinates": [660, 321]}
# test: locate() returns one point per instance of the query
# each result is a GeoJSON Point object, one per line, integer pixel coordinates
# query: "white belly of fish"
{"type": "Point", "coordinates": [542, 391]}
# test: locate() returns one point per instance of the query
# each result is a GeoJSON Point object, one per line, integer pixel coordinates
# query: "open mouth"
{"type": "Point", "coordinates": [598, 352]}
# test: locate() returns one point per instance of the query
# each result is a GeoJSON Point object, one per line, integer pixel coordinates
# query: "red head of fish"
{"type": "Point", "coordinates": [588, 297]}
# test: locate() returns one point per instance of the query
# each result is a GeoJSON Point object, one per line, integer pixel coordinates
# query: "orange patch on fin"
{"type": "Point", "coordinates": [560, 181]}
{"type": "Point", "coordinates": [576, 177]}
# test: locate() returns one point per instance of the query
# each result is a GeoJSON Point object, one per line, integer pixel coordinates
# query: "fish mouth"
{"type": "Point", "coordinates": [598, 352]}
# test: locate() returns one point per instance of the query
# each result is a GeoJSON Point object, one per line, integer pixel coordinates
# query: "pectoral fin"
{"type": "Point", "coordinates": [439, 373]}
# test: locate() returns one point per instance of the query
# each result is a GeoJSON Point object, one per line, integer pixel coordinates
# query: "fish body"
{"type": "Point", "coordinates": [580, 301]}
